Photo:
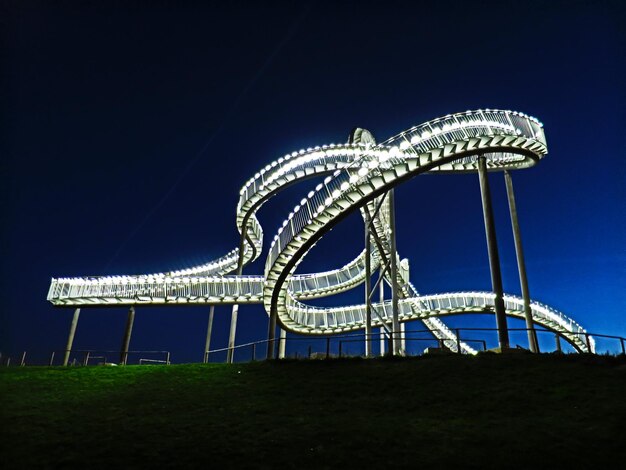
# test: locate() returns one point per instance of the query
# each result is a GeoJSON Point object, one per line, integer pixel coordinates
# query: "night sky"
{"type": "Point", "coordinates": [128, 129]}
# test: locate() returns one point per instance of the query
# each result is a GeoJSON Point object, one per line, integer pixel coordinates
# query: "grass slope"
{"type": "Point", "coordinates": [517, 411]}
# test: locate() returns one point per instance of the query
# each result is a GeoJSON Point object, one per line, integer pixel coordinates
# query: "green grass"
{"type": "Point", "coordinates": [517, 411]}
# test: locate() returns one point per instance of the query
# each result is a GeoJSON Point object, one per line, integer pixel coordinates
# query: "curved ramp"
{"type": "Point", "coordinates": [356, 176]}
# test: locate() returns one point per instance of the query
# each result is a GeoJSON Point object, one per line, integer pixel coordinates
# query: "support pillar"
{"type": "Point", "coordinates": [368, 288]}
{"type": "Point", "coordinates": [282, 345]}
{"type": "Point", "coordinates": [233, 316]}
{"type": "Point", "coordinates": [130, 319]}
{"type": "Point", "coordinates": [381, 290]}
{"type": "Point", "coordinates": [70, 337]}
{"type": "Point", "coordinates": [403, 337]}
{"type": "Point", "coordinates": [394, 275]}
{"type": "Point", "coordinates": [231, 337]}
{"type": "Point", "coordinates": [494, 258]}
{"type": "Point", "coordinates": [209, 330]}
{"type": "Point", "coordinates": [521, 265]}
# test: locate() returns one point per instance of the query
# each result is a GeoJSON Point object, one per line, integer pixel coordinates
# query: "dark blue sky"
{"type": "Point", "coordinates": [128, 129]}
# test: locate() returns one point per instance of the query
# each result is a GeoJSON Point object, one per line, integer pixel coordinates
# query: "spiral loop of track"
{"type": "Point", "coordinates": [356, 175]}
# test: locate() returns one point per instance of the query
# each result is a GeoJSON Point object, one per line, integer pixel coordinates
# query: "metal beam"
{"type": "Point", "coordinates": [209, 330]}
{"type": "Point", "coordinates": [231, 336]}
{"type": "Point", "coordinates": [282, 345]}
{"type": "Point", "coordinates": [494, 258]}
{"type": "Point", "coordinates": [368, 288]}
{"type": "Point", "coordinates": [230, 354]}
{"type": "Point", "coordinates": [521, 264]}
{"type": "Point", "coordinates": [382, 329]}
{"type": "Point", "coordinates": [130, 319]}
{"type": "Point", "coordinates": [381, 278]}
{"type": "Point", "coordinates": [70, 337]}
{"type": "Point", "coordinates": [394, 274]}
{"type": "Point", "coordinates": [271, 335]}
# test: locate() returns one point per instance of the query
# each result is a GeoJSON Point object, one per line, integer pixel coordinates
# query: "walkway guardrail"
{"type": "Point", "coordinates": [333, 346]}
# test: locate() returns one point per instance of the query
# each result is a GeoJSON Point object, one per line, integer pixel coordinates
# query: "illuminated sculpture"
{"type": "Point", "coordinates": [359, 175]}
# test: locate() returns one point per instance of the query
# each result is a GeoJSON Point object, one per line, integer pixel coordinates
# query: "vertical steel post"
{"type": "Point", "coordinates": [381, 291]}
{"type": "Point", "coordinates": [51, 359]}
{"type": "Point", "coordinates": [23, 361]}
{"type": "Point", "coordinates": [70, 338]}
{"type": "Point", "coordinates": [282, 345]}
{"type": "Point", "coordinates": [368, 288]}
{"type": "Point", "coordinates": [235, 311]}
{"type": "Point", "coordinates": [557, 340]}
{"type": "Point", "coordinates": [403, 337]}
{"type": "Point", "coordinates": [209, 330]}
{"type": "Point", "coordinates": [395, 331]}
{"type": "Point", "coordinates": [130, 319]}
{"type": "Point", "coordinates": [521, 264]}
{"type": "Point", "coordinates": [271, 334]}
{"type": "Point", "coordinates": [494, 258]}
{"type": "Point", "coordinates": [231, 335]}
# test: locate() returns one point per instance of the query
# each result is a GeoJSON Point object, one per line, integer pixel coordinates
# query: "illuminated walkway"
{"type": "Point", "coordinates": [359, 175]}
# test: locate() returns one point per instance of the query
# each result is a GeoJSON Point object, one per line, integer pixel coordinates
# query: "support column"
{"type": "Point", "coordinates": [402, 335]}
{"type": "Point", "coordinates": [209, 330]}
{"type": "Point", "coordinates": [70, 337]}
{"type": "Point", "coordinates": [126, 341]}
{"type": "Point", "coordinates": [233, 316]}
{"type": "Point", "coordinates": [521, 264]}
{"type": "Point", "coordinates": [231, 337]}
{"type": "Point", "coordinates": [394, 274]}
{"type": "Point", "coordinates": [381, 290]}
{"type": "Point", "coordinates": [282, 345]}
{"type": "Point", "coordinates": [494, 258]}
{"type": "Point", "coordinates": [368, 288]}
{"type": "Point", "coordinates": [271, 335]}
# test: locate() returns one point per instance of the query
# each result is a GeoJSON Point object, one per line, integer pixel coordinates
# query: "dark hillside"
{"type": "Point", "coordinates": [518, 411]}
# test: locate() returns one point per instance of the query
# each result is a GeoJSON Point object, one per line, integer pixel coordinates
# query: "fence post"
{"type": "Point", "coordinates": [51, 359]}
{"type": "Point", "coordinates": [86, 360]}
{"type": "Point", "coordinates": [458, 341]}
{"type": "Point", "coordinates": [588, 343]}
{"type": "Point", "coordinates": [327, 347]}
{"type": "Point", "coordinates": [253, 351]}
{"type": "Point", "coordinates": [168, 358]}
{"type": "Point", "coordinates": [621, 340]}
{"type": "Point", "coordinates": [23, 361]}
